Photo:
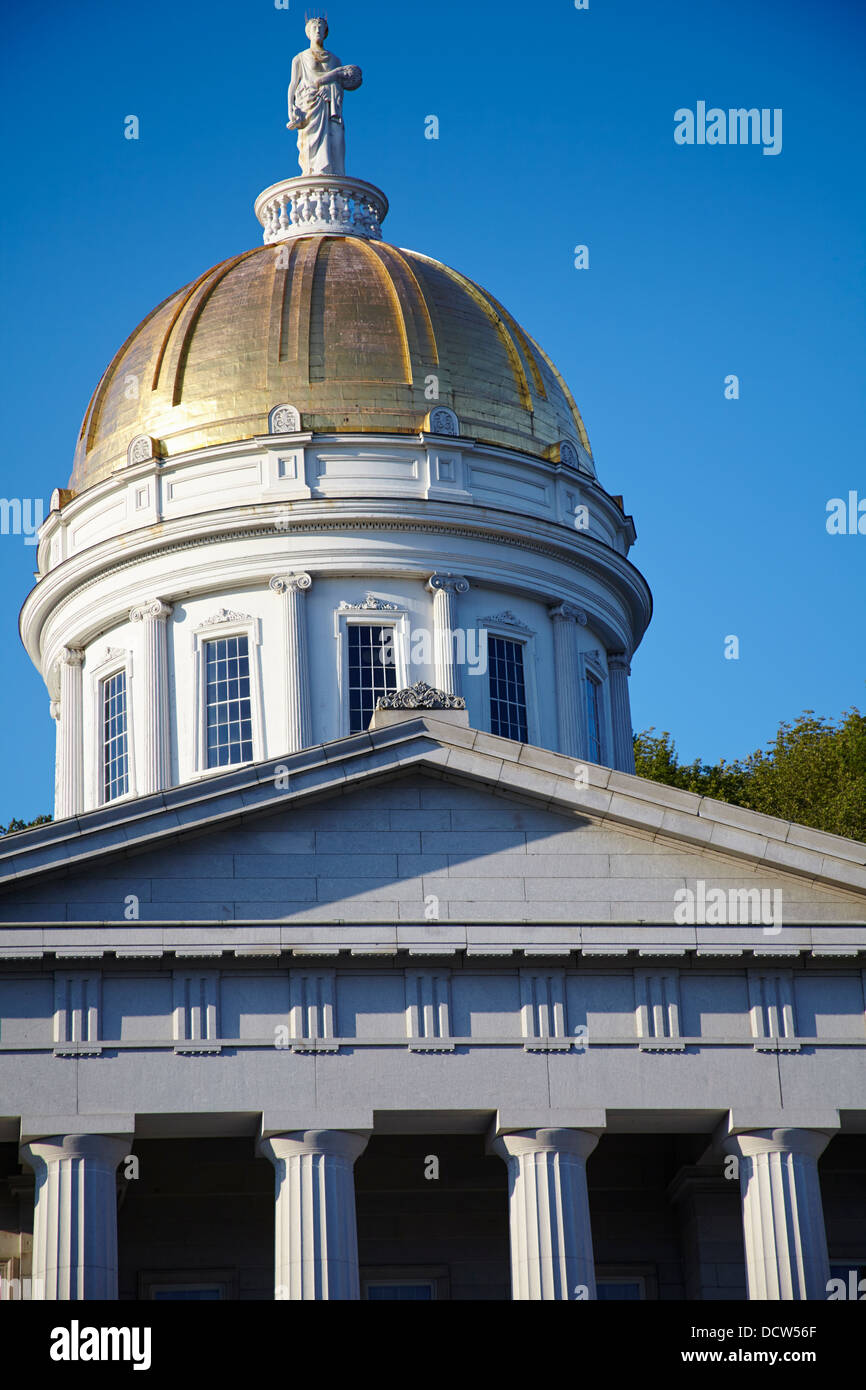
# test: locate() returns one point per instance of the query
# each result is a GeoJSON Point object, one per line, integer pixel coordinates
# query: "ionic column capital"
{"type": "Point", "coordinates": [567, 612]}
{"type": "Point", "coordinates": [294, 583]}
{"type": "Point", "coordinates": [155, 610]}
{"type": "Point", "coordinates": [70, 656]}
{"type": "Point", "coordinates": [448, 583]}
{"type": "Point", "coordinates": [618, 661]}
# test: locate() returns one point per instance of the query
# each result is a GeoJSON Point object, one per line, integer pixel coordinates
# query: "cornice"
{"type": "Point", "coordinates": [82, 572]}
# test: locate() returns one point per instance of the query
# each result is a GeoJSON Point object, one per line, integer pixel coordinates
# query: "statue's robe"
{"type": "Point", "coordinates": [322, 141]}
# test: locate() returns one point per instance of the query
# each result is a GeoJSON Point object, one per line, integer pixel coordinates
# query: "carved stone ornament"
{"type": "Point", "coordinates": [506, 619]}
{"type": "Point", "coordinates": [282, 583]}
{"type": "Point", "coordinates": [441, 420]}
{"type": "Point", "coordinates": [154, 611]}
{"type": "Point", "coordinates": [568, 454]}
{"type": "Point", "coordinates": [141, 448]}
{"type": "Point", "coordinates": [420, 696]}
{"type": "Point", "coordinates": [455, 583]}
{"type": "Point", "coordinates": [225, 615]}
{"type": "Point", "coordinates": [284, 419]}
{"type": "Point", "coordinates": [570, 612]}
{"type": "Point", "coordinates": [369, 604]}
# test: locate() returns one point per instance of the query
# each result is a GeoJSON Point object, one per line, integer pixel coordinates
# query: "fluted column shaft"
{"type": "Point", "coordinates": [316, 1238]}
{"type": "Point", "coordinates": [783, 1219]}
{"type": "Point", "coordinates": [298, 704]}
{"type": "Point", "coordinates": [70, 781]}
{"type": "Point", "coordinates": [153, 761]}
{"type": "Point", "coordinates": [569, 708]}
{"type": "Point", "coordinates": [75, 1217]}
{"type": "Point", "coordinates": [620, 709]}
{"type": "Point", "coordinates": [445, 588]}
{"type": "Point", "coordinates": [548, 1208]}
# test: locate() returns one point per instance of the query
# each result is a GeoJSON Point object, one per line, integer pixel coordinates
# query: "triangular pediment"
{"type": "Point", "coordinates": [436, 828]}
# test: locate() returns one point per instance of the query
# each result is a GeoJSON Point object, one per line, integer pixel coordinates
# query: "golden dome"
{"type": "Point", "coordinates": [349, 331]}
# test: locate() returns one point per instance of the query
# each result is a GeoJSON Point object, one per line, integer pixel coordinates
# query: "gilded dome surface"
{"type": "Point", "coordinates": [349, 331]}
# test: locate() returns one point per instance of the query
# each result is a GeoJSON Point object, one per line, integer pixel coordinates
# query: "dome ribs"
{"type": "Point", "coordinates": [197, 303]}
{"type": "Point", "coordinates": [108, 376]}
{"type": "Point", "coordinates": [295, 334]}
{"type": "Point", "coordinates": [190, 291]}
{"type": "Point", "coordinates": [476, 293]}
{"type": "Point", "coordinates": [421, 339]}
{"type": "Point", "coordinates": [525, 345]}
{"type": "Point", "coordinates": [578, 419]}
{"type": "Point", "coordinates": [278, 328]}
{"type": "Point", "coordinates": [357, 330]}
{"type": "Point", "coordinates": [360, 335]}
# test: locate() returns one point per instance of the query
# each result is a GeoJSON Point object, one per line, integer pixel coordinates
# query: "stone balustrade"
{"type": "Point", "coordinates": [321, 204]}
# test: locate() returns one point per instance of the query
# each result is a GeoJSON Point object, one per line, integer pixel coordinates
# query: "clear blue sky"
{"type": "Point", "coordinates": [556, 128]}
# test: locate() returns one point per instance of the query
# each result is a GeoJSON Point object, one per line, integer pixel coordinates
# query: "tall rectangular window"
{"type": "Point", "coordinates": [372, 670]}
{"type": "Point", "coordinates": [115, 753]}
{"type": "Point", "coordinates": [593, 720]}
{"type": "Point", "coordinates": [227, 698]}
{"type": "Point", "coordinates": [507, 688]}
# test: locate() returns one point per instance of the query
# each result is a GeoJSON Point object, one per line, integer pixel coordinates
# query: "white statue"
{"type": "Point", "coordinates": [316, 104]}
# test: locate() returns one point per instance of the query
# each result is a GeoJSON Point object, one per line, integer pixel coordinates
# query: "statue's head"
{"type": "Point", "coordinates": [316, 28]}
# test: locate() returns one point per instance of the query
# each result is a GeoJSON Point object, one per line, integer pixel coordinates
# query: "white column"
{"type": "Point", "coordinates": [70, 788]}
{"type": "Point", "coordinates": [619, 671]}
{"type": "Point", "coordinates": [153, 754]}
{"type": "Point", "coordinates": [548, 1207]}
{"type": "Point", "coordinates": [316, 1232]}
{"type": "Point", "coordinates": [75, 1218]}
{"type": "Point", "coordinates": [445, 588]}
{"type": "Point", "coordinates": [569, 707]}
{"type": "Point", "coordinates": [783, 1219]}
{"type": "Point", "coordinates": [54, 711]}
{"type": "Point", "coordinates": [298, 705]}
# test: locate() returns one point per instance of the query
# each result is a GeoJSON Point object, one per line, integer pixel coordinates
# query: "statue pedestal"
{"type": "Point", "coordinates": [318, 204]}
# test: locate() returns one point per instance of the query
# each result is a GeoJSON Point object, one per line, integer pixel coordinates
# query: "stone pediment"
{"type": "Point", "coordinates": [428, 832]}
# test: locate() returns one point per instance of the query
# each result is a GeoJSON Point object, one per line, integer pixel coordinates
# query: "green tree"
{"type": "Point", "coordinates": [812, 772]}
{"type": "Point", "coordinates": [16, 824]}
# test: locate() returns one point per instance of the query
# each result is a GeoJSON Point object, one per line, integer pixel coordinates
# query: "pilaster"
{"type": "Point", "coordinates": [154, 756]}
{"type": "Point", "coordinates": [445, 588]}
{"type": "Point", "coordinates": [298, 703]}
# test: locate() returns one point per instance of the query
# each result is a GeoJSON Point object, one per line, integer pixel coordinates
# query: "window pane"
{"type": "Point", "coordinates": [372, 670]}
{"type": "Point", "coordinates": [507, 688]}
{"type": "Point", "coordinates": [227, 695]}
{"type": "Point", "coordinates": [115, 760]}
{"type": "Point", "coordinates": [593, 720]}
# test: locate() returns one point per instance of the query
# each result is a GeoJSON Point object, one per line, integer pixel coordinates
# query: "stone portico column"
{"type": "Point", "coordinates": [153, 770]}
{"type": "Point", "coordinates": [783, 1219]}
{"type": "Point", "coordinates": [569, 709]}
{"type": "Point", "coordinates": [298, 706]}
{"type": "Point", "coordinates": [445, 588]}
{"type": "Point", "coordinates": [619, 671]}
{"type": "Point", "coordinates": [548, 1206]}
{"type": "Point", "coordinates": [75, 1217]}
{"type": "Point", "coordinates": [70, 782]}
{"type": "Point", "coordinates": [316, 1232]}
